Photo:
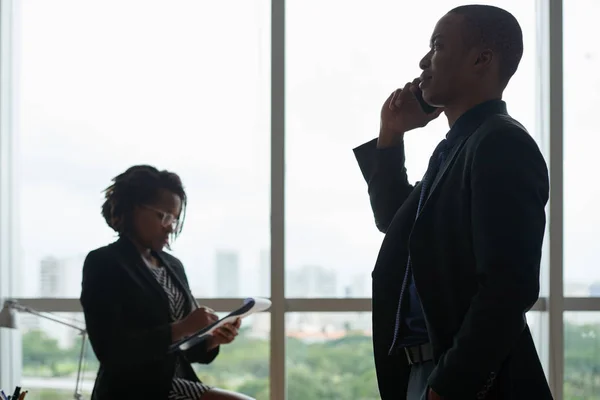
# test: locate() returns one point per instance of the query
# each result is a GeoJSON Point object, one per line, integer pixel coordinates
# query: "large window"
{"type": "Point", "coordinates": [104, 85]}
{"type": "Point", "coordinates": [581, 87]}
{"type": "Point", "coordinates": [582, 95]}
{"type": "Point", "coordinates": [100, 86]}
{"type": "Point", "coordinates": [339, 72]}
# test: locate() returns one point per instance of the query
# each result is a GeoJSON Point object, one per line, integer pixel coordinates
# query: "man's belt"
{"type": "Point", "coordinates": [419, 353]}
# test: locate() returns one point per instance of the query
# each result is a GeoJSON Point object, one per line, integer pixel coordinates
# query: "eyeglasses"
{"type": "Point", "coordinates": [166, 219]}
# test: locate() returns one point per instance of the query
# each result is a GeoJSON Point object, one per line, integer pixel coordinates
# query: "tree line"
{"type": "Point", "coordinates": [333, 370]}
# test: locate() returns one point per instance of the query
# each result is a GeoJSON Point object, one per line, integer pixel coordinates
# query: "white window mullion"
{"type": "Point", "coordinates": [552, 75]}
{"type": "Point", "coordinates": [277, 350]}
{"type": "Point", "coordinates": [10, 344]}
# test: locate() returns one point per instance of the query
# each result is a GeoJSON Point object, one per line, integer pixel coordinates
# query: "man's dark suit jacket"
{"type": "Point", "coordinates": [475, 250]}
{"type": "Point", "coordinates": [128, 322]}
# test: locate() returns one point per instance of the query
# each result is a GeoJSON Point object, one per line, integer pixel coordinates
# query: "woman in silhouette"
{"type": "Point", "coordinates": [137, 301]}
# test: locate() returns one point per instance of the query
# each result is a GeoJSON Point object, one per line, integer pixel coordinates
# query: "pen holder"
{"type": "Point", "coordinates": [17, 394]}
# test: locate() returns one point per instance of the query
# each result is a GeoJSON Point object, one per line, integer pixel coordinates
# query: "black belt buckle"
{"type": "Point", "coordinates": [408, 356]}
{"type": "Point", "coordinates": [417, 354]}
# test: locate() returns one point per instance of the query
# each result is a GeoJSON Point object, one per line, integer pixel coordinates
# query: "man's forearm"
{"type": "Point", "coordinates": [388, 138]}
{"type": "Point", "coordinates": [385, 174]}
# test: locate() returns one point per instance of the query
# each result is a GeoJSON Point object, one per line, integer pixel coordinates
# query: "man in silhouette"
{"type": "Point", "coordinates": [459, 265]}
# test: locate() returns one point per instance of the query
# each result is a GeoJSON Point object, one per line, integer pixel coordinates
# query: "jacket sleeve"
{"type": "Point", "coordinates": [113, 343]}
{"type": "Point", "coordinates": [509, 191]}
{"type": "Point", "coordinates": [199, 353]}
{"type": "Point", "coordinates": [385, 174]}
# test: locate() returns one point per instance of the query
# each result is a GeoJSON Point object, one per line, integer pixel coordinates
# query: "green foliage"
{"type": "Point", "coordinates": [334, 370]}
{"type": "Point", "coordinates": [43, 357]}
{"type": "Point", "coordinates": [50, 394]}
{"type": "Point", "coordinates": [38, 349]}
{"type": "Point", "coordinates": [582, 362]}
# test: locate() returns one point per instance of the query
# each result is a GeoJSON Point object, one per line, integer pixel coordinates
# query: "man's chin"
{"type": "Point", "coordinates": [428, 96]}
{"type": "Point", "coordinates": [432, 98]}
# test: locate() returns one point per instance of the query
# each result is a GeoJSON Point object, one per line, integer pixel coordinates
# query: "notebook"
{"type": "Point", "coordinates": [250, 306]}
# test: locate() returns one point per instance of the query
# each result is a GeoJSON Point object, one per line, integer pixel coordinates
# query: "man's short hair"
{"type": "Point", "coordinates": [496, 29]}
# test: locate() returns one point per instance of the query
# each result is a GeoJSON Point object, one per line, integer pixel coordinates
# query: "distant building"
{"type": "Point", "coordinates": [306, 282]}
{"type": "Point", "coordinates": [264, 273]}
{"type": "Point", "coordinates": [573, 289]}
{"type": "Point", "coordinates": [59, 277]}
{"type": "Point", "coordinates": [595, 289]}
{"type": "Point", "coordinates": [311, 281]}
{"type": "Point", "coordinates": [228, 273]}
{"type": "Point", "coordinates": [357, 287]}
{"type": "Point", "coordinates": [325, 334]}
{"type": "Point", "coordinates": [52, 277]}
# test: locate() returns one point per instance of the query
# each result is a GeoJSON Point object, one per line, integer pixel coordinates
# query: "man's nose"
{"type": "Point", "coordinates": [425, 61]}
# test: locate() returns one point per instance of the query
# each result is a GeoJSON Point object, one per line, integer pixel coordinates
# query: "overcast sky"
{"type": "Point", "coordinates": [102, 85]}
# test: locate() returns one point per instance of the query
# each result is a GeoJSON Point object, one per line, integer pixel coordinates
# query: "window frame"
{"type": "Point", "coordinates": [10, 343]}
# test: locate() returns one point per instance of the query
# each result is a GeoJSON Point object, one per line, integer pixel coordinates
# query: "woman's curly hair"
{"type": "Point", "coordinates": [140, 185]}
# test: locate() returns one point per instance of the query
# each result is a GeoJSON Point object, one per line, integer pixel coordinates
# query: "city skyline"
{"type": "Point", "coordinates": [65, 280]}
{"type": "Point", "coordinates": [61, 278]}
{"type": "Point", "coordinates": [57, 275]}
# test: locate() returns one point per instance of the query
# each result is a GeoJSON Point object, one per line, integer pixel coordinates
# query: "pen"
{"type": "Point", "coordinates": [3, 395]}
{"type": "Point", "coordinates": [16, 394]}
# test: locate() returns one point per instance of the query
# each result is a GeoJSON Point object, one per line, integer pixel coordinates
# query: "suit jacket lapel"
{"type": "Point", "coordinates": [444, 168]}
{"type": "Point", "coordinates": [131, 257]}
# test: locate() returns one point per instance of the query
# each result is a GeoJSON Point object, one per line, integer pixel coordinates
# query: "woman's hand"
{"type": "Point", "coordinates": [200, 318]}
{"type": "Point", "coordinates": [224, 335]}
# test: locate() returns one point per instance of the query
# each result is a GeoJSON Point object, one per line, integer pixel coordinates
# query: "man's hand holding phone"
{"type": "Point", "coordinates": [401, 113]}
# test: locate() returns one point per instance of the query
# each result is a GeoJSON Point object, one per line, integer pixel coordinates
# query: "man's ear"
{"type": "Point", "coordinates": [484, 58]}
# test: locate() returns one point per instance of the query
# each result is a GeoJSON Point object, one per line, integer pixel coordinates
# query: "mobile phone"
{"type": "Point", "coordinates": [426, 107]}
